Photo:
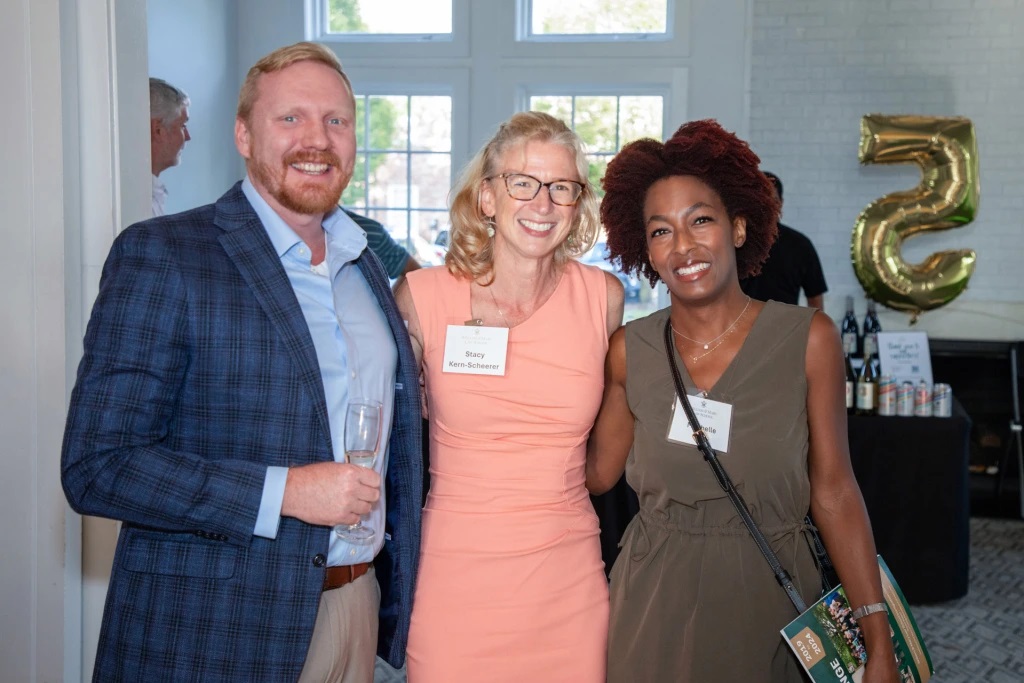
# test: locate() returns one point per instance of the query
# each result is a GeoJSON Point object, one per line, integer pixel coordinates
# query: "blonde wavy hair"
{"type": "Point", "coordinates": [282, 58]}
{"type": "Point", "coordinates": [470, 249]}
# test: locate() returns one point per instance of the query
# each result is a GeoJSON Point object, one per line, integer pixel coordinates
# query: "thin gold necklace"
{"type": "Point", "coordinates": [720, 339]}
{"type": "Point", "coordinates": [497, 307]}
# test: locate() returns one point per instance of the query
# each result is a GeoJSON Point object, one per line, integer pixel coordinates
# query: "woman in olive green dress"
{"type": "Point", "coordinates": [692, 598]}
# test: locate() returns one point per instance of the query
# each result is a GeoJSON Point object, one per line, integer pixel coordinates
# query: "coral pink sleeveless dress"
{"type": "Point", "coordinates": [511, 584]}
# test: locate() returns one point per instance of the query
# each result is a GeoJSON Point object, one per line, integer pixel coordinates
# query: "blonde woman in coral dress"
{"type": "Point", "coordinates": [511, 584]}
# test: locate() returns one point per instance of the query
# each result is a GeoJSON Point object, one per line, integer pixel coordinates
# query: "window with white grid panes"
{"type": "Point", "coordinates": [594, 20]}
{"type": "Point", "coordinates": [605, 123]}
{"type": "Point", "coordinates": [403, 168]}
{"type": "Point", "coordinates": [390, 20]}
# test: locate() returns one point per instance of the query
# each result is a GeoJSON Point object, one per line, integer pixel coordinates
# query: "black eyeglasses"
{"type": "Point", "coordinates": [525, 187]}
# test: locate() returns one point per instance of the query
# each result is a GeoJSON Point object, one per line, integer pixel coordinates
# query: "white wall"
{"type": "Point", "coordinates": [720, 40]}
{"type": "Point", "coordinates": [266, 25]}
{"type": "Point", "coordinates": [193, 44]}
{"type": "Point", "coordinates": [106, 138]}
{"type": "Point", "coordinates": [32, 362]}
{"type": "Point", "coordinates": [817, 67]}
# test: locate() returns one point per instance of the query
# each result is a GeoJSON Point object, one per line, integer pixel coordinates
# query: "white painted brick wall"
{"type": "Point", "coordinates": [819, 65]}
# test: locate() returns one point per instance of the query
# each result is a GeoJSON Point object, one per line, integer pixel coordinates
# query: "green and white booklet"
{"type": "Point", "coordinates": [829, 644]}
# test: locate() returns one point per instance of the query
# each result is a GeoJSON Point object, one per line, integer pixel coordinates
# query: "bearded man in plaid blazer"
{"type": "Point", "coordinates": [208, 415]}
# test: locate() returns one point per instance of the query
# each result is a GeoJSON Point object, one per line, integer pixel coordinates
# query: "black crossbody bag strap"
{"type": "Point", "coordinates": [781, 575]}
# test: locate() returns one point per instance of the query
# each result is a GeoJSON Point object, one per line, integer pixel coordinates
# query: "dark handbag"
{"type": "Point", "coordinates": [822, 559]}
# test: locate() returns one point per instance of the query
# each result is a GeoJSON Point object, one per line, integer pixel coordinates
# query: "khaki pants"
{"type": "Point", "coordinates": [344, 643]}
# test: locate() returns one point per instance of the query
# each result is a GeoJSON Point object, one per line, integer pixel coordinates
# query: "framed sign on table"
{"type": "Point", "coordinates": [905, 356]}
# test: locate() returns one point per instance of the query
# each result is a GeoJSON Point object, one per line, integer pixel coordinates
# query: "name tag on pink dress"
{"type": "Point", "coordinates": [475, 350]}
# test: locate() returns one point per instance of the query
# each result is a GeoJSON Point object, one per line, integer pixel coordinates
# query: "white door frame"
{"type": "Point", "coordinates": [75, 140]}
{"type": "Point", "coordinates": [109, 128]}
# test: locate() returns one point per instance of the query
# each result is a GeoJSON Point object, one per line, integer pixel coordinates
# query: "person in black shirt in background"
{"type": "Point", "coordinates": [792, 265]}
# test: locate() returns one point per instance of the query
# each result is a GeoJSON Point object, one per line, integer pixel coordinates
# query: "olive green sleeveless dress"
{"type": "Point", "coordinates": [692, 598]}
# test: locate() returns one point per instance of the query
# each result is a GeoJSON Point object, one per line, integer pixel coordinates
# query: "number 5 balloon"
{"type": "Point", "coordinates": [947, 197]}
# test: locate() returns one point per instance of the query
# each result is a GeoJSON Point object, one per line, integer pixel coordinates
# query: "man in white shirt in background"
{"type": "Point", "coordinates": [168, 133]}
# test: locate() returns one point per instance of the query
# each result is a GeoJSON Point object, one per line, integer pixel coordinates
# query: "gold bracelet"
{"type": "Point", "coordinates": [862, 612]}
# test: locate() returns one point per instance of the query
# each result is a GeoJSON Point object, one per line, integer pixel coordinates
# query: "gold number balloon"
{"type": "Point", "coordinates": [947, 197]}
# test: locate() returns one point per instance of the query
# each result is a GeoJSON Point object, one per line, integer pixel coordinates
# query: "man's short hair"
{"type": "Point", "coordinates": [165, 101]}
{"type": "Point", "coordinates": [282, 58]}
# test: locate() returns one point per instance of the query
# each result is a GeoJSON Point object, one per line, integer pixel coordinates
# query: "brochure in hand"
{"type": "Point", "coordinates": [828, 641]}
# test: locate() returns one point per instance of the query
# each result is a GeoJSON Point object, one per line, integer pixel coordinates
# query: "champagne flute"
{"type": "Point", "coordinates": [362, 439]}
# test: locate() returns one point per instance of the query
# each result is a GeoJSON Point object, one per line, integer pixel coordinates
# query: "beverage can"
{"type": "Point", "coordinates": [905, 399]}
{"type": "Point", "coordinates": [923, 400]}
{"type": "Point", "coordinates": [887, 395]}
{"type": "Point", "coordinates": [942, 400]}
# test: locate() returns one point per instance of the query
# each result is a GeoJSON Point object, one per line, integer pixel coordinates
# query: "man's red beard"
{"type": "Point", "coordinates": [305, 198]}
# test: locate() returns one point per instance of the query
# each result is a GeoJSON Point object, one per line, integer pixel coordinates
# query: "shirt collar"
{"type": "Point", "coordinates": [346, 240]}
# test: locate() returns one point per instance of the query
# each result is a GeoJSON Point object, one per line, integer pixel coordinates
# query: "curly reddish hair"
{"type": "Point", "coordinates": [710, 153]}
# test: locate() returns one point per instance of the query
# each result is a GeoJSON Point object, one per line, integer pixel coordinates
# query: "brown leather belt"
{"type": "Point", "coordinates": [336, 577]}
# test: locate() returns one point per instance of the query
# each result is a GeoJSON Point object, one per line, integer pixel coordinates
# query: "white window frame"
{"type": "Point", "coordinates": [674, 44]}
{"type": "Point", "coordinates": [382, 45]}
{"type": "Point", "coordinates": [607, 90]}
{"type": "Point", "coordinates": [610, 90]}
{"type": "Point", "coordinates": [670, 83]}
{"type": "Point", "coordinates": [422, 91]}
{"type": "Point", "coordinates": [453, 83]}
{"type": "Point", "coordinates": [524, 31]}
{"type": "Point", "coordinates": [408, 210]}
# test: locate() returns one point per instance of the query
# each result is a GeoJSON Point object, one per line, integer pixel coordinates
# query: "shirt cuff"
{"type": "Point", "coordinates": [269, 517]}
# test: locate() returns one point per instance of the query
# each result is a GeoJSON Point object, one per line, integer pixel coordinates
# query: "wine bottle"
{"type": "Point", "coordinates": [850, 330]}
{"type": "Point", "coordinates": [871, 329]}
{"type": "Point", "coordinates": [867, 386]}
{"type": "Point", "coordinates": [851, 385]}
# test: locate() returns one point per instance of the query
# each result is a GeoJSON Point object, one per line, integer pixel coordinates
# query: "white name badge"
{"type": "Point", "coordinates": [714, 416]}
{"type": "Point", "coordinates": [475, 350]}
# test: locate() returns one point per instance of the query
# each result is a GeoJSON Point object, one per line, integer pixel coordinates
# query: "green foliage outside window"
{"type": "Point", "coordinates": [344, 17]}
{"type": "Point", "coordinates": [595, 120]}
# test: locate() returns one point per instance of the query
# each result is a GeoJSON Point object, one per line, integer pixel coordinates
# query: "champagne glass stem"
{"type": "Point", "coordinates": [362, 440]}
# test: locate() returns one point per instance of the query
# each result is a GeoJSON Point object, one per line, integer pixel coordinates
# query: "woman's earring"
{"type": "Point", "coordinates": [490, 226]}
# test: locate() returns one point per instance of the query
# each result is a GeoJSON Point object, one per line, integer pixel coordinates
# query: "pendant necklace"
{"type": "Point", "coordinates": [717, 341]}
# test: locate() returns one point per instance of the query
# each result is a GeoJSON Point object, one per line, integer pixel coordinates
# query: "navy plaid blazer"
{"type": "Point", "coordinates": [198, 372]}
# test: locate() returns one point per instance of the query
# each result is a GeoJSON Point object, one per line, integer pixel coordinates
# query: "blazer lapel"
{"type": "Point", "coordinates": [247, 244]}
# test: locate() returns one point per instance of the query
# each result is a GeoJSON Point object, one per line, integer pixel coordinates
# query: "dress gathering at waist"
{"type": "Point", "coordinates": [732, 528]}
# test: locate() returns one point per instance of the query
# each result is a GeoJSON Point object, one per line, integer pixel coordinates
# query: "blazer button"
{"type": "Point", "coordinates": [319, 560]}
